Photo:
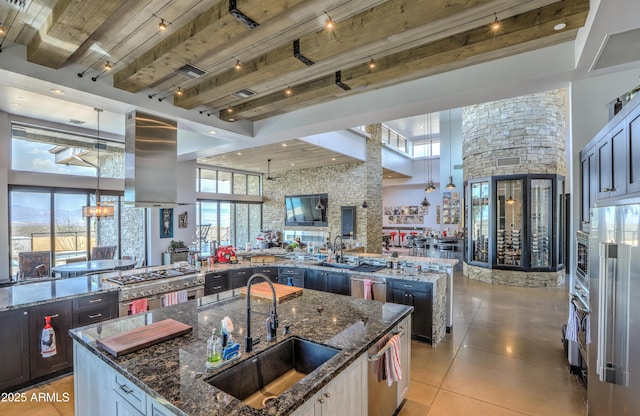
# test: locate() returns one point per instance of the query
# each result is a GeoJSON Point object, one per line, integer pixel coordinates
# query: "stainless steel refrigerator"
{"type": "Point", "coordinates": [614, 296]}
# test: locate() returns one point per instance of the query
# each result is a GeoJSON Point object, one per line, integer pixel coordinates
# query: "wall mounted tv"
{"type": "Point", "coordinates": [300, 210]}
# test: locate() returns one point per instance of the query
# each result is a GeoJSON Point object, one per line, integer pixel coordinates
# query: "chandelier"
{"type": "Point", "coordinates": [98, 211]}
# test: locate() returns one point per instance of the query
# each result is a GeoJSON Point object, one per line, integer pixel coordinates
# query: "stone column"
{"type": "Point", "coordinates": [372, 216]}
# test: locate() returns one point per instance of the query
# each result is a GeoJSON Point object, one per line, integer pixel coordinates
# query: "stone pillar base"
{"type": "Point", "coordinates": [514, 277]}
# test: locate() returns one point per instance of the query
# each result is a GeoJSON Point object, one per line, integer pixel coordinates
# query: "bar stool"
{"type": "Point", "coordinates": [446, 248]}
{"type": "Point", "coordinates": [402, 234]}
{"type": "Point", "coordinates": [393, 236]}
{"type": "Point", "coordinates": [421, 247]}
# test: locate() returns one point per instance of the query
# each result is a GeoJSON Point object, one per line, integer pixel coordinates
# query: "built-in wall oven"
{"type": "Point", "coordinates": [579, 299]}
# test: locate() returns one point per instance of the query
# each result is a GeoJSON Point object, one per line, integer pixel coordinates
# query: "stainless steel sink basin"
{"type": "Point", "coordinates": [336, 265]}
{"type": "Point", "coordinates": [270, 373]}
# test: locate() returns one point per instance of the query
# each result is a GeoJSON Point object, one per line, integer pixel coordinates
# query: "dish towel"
{"type": "Point", "coordinates": [378, 367]}
{"type": "Point", "coordinates": [572, 323]}
{"type": "Point", "coordinates": [173, 298]}
{"type": "Point", "coordinates": [393, 367]}
{"type": "Point", "coordinates": [138, 305]}
{"type": "Point", "coordinates": [368, 285]}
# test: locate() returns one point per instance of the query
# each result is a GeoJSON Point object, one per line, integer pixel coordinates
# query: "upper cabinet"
{"type": "Point", "coordinates": [610, 163]}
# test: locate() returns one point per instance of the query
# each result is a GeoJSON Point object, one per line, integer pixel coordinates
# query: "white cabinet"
{"type": "Point", "coordinates": [346, 395]}
{"type": "Point", "coordinates": [405, 358]}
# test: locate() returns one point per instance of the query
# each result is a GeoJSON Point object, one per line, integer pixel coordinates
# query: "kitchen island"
{"type": "Point", "coordinates": [171, 377]}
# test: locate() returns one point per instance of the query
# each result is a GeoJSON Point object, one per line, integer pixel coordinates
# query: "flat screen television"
{"type": "Point", "coordinates": [300, 210]}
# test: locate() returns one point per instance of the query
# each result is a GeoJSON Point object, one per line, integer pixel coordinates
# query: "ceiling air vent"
{"type": "Point", "coordinates": [190, 71]}
{"type": "Point", "coordinates": [77, 122]}
{"type": "Point", "coordinates": [244, 93]}
{"type": "Point", "coordinates": [508, 161]}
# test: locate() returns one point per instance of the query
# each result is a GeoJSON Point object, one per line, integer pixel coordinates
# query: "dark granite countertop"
{"type": "Point", "coordinates": [174, 371]}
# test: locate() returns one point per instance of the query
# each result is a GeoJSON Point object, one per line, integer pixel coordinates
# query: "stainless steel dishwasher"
{"type": "Point", "coordinates": [383, 399]}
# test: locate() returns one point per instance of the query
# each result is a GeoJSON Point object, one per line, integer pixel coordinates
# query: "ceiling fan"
{"type": "Point", "coordinates": [269, 177]}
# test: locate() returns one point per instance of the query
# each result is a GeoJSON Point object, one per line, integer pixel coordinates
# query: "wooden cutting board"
{"type": "Point", "coordinates": [145, 336]}
{"type": "Point", "coordinates": [263, 291]}
{"type": "Point", "coordinates": [263, 259]}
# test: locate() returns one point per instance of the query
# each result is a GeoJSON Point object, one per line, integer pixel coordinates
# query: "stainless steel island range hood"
{"type": "Point", "coordinates": [151, 162]}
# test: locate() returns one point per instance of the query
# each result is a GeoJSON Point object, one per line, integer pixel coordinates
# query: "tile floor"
{"type": "Point", "coordinates": [504, 358]}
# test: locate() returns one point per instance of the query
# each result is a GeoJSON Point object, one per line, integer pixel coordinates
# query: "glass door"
{"type": "Point", "coordinates": [541, 224]}
{"type": "Point", "coordinates": [509, 222]}
{"type": "Point", "coordinates": [479, 222]}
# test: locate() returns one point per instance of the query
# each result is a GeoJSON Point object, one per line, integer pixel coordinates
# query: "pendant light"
{"type": "Point", "coordinates": [450, 185]}
{"type": "Point", "coordinates": [510, 200]}
{"type": "Point", "coordinates": [319, 204]}
{"type": "Point", "coordinates": [98, 211]}
{"type": "Point", "coordinates": [430, 186]}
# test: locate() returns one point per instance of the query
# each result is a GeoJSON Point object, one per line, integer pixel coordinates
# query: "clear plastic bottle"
{"type": "Point", "coordinates": [214, 350]}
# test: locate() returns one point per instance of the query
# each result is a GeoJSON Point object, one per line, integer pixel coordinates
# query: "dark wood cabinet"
{"type": "Point", "coordinates": [14, 365]}
{"type": "Point", "coordinates": [589, 186]}
{"type": "Point", "coordinates": [420, 296]}
{"type": "Point", "coordinates": [239, 278]}
{"type": "Point", "coordinates": [633, 161]}
{"type": "Point", "coordinates": [326, 281]}
{"type": "Point", "coordinates": [61, 321]}
{"type": "Point", "coordinates": [216, 282]}
{"type": "Point", "coordinates": [316, 280]}
{"type": "Point", "coordinates": [292, 276]}
{"type": "Point", "coordinates": [95, 308]}
{"type": "Point", "coordinates": [611, 153]}
{"type": "Point", "coordinates": [269, 271]}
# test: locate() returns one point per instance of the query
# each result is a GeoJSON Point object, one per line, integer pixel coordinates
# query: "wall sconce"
{"type": "Point", "coordinates": [365, 205]}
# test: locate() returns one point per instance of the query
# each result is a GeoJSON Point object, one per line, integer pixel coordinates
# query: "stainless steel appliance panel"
{"type": "Point", "coordinates": [614, 267]}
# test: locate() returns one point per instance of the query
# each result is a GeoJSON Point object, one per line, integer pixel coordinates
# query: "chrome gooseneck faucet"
{"type": "Point", "coordinates": [272, 321]}
{"type": "Point", "coordinates": [337, 247]}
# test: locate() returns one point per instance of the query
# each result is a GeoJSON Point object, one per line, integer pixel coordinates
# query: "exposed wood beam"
{"type": "Point", "coordinates": [69, 25]}
{"type": "Point", "coordinates": [388, 22]}
{"type": "Point", "coordinates": [526, 31]}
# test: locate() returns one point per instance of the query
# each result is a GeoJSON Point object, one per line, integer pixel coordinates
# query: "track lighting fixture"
{"type": "Point", "coordinates": [2, 30]}
{"type": "Point", "coordinates": [179, 92]}
{"type": "Point", "coordinates": [372, 63]}
{"type": "Point", "coordinates": [496, 24]}
{"type": "Point", "coordinates": [108, 66]}
{"type": "Point", "coordinates": [288, 91]}
{"type": "Point", "coordinates": [152, 95]}
{"type": "Point", "coordinates": [162, 25]}
{"type": "Point", "coordinates": [81, 74]}
{"type": "Point", "coordinates": [329, 24]}
{"type": "Point", "coordinates": [238, 65]}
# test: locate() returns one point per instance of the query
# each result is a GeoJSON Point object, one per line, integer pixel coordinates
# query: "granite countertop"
{"type": "Point", "coordinates": [37, 292]}
{"type": "Point", "coordinates": [174, 371]}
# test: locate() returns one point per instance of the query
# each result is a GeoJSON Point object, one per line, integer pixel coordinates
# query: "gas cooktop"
{"type": "Point", "coordinates": [149, 276]}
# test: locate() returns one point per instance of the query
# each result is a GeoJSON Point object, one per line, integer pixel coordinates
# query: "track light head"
{"type": "Point", "coordinates": [179, 92]}
{"type": "Point", "coordinates": [2, 30]}
{"type": "Point", "coordinates": [329, 23]}
{"type": "Point", "coordinates": [372, 63]}
{"type": "Point", "coordinates": [80, 74]}
{"type": "Point", "coordinates": [238, 65]}
{"type": "Point", "coordinates": [495, 26]}
{"type": "Point", "coordinates": [108, 66]}
{"type": "Point", "coordinates": [162, 25]}
{"type": "Point", "coordinates": [94, 79]}
{"type": "Point", "coordinates": [288, 91]}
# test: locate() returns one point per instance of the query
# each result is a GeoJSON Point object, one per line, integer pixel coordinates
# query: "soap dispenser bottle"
{"type": "Point", "coordinates": [214, 350]}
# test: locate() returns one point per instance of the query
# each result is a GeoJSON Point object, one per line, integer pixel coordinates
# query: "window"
{"type": "Point", "coordinates": [36, 149]}
{"type": "Point", "coordinates": [227, 182]}
{"type": "Point", "coordinates": [393, 139]}
{"type": "Point", "coordinates": [426, 149]}
{"type": "Point", "coordinates": [232, 223]}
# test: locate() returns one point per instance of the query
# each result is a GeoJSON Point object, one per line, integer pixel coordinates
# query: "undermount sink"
{"type": "Point", "coordinates": [270, 373]}
{"type": "Point", "coordinates": [336, 265]}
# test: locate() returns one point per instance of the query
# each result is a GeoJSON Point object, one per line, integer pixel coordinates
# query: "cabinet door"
{"type": "Point", "coordinates": [316, 280]}
{"type": "Point", "coordinates": [14, 365]}
{"type": "Point", "coordinates": [585, 181]}
{"type": "Point", "coordinates": [338, 283]}
{"type": "Point", "coordinates": [270, 272]}
{"type": "Point", "coordinates": [604, 158]}
{"type": "Point", "coordinates": [619, 161]}
{"type": "Point", "coordinates": [239, 278]}
{"type": "Point", "coordinates": [633, 126]}
{"type": "Point", "coordinates": [61, 322]}
{"type": "Point", "coordinates": [346, 395]}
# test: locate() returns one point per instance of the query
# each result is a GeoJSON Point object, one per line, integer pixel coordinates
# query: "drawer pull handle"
{"type": "Point", "coordinates": [95, 300]}
{"type": "Point", "coordinates": [217, 287]}
{"type": "Point", "coordinates": [126, 389]}
{"type": "Point", "coordinates": [95, 316]}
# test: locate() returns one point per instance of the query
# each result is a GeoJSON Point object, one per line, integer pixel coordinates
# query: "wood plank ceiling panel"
{"type": "Point", "coordinates": [70, 24]}
{"type": "Point", "coordinates": [450, 53]}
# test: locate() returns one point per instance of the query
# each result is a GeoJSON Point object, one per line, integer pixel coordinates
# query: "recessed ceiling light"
{"type": "Point", "coordinates": [293, 164]}
{"type": "Point", "coordinates": [284, 145]}
{"type": "Point", "coordinates": [239, 153]}
{"type": "Point", "coordinates": [213, 132]}
{"type": "Point", "coordinates": [16, 104]}
{"type": "Point", "coordinates": [57, 91]}
{"type": "Point", "coordinates": [333, 158]}
{"type": "Point", "coordinates": [21, 99]}
{"type": "Point", "coordinates": [560, 26]}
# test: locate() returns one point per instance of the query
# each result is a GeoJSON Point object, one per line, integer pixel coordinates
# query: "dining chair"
{"type": "Point", "coordinates": [103, 252]}
{"type": "Point", "coordinates": [34, 264]}
{"type": "Point", "coordinates": [75, 259]}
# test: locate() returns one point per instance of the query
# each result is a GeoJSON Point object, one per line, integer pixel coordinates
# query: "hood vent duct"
{"type": "Point", "coordinates": [151, 161]}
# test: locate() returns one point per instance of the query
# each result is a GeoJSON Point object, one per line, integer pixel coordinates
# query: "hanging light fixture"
{"type": "Point", "coordinates": [430, 186]}
{"type": "Point", "coordinates": [329, 23]}
{"type": "Point", "coordinates": [98, 211]}
{"type": "Point", "coordinates": [319, 204]}
{"type": "Point", "coordinates": [495, 26]}
{"type": "Point", "coordinates": [510, 200]}
{"type": "Point", "coordinates": [162, 26]}
{"type": "Point", "coordinates": [450, 185]}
